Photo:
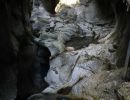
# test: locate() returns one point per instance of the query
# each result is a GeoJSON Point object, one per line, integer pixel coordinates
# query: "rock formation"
{"type": "Point", "coordinates": [18, 53]}
{"type": "Point", "coordinates": [87, 40]}
{"type": "Point", "coordinates": [92, 68]}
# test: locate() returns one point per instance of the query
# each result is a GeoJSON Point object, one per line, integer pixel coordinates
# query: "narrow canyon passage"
{"type": "Point", "coordinates": [64, 50]}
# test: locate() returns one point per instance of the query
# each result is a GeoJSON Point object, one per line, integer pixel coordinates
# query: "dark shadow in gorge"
{"type": "Point", "coordinates": [118, 10]}
{"type": "Point", "coordinates": [23, 64]}
{"type": "Point", "coordinates": [50, 5]}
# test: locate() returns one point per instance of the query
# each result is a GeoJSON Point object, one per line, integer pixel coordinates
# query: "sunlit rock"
{"type": "Point", "coordinates": [69, 2]}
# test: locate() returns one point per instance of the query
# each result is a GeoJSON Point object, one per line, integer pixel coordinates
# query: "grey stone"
{"type": "Point", "coordinates": [124, 91]}
{"type": "Point", "coordinates": [90, 70]}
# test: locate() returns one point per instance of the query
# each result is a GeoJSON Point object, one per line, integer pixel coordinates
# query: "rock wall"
{"type": "Point", "coordinates": [20, 60]}
{"type": "Point", "coordinates": [14, 30]}
{"type": "Point", "coordinates": [120, 10]}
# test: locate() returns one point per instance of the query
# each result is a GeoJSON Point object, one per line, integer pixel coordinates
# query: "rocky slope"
{"type": "Point", "coordinates": [83, 46]}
